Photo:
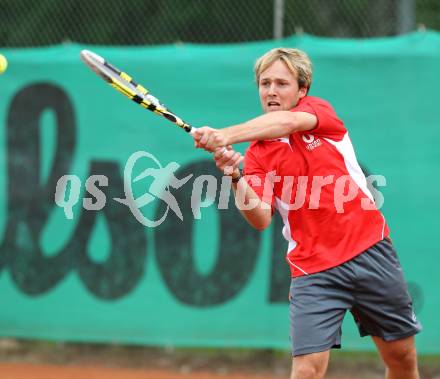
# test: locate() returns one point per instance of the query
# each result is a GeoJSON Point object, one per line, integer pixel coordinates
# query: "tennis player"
{"type": "Point", "coordinates": [339, 251]}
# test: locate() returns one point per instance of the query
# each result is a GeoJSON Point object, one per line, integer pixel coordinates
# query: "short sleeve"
{"type": "Point", "coordinates": [329, 124]}
{"type": "Point", "coordinates": [257, 177]}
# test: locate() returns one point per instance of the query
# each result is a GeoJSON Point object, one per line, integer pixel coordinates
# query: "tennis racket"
{"type": "Point", "coordinates": [122, 82]}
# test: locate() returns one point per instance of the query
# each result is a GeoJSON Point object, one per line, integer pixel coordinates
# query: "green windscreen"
{"type": "Point", "coordinates": [99, 271]}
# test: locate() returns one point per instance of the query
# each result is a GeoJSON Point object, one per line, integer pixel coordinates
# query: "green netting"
{"type": "Point", "coordinates": [103, 276]}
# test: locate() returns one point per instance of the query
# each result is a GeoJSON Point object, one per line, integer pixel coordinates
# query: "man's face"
{"type": "Point", "coordinates": [278, 88]}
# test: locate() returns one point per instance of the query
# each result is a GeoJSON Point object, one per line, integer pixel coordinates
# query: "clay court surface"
{"type": "Point", "coordinates": [28, 371]}
{"type": "Point", "coordinates": [32, 371]}
{"type": "Point", "coordinates": [43, 360]}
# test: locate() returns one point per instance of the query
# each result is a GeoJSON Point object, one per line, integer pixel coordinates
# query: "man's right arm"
{"type": "Point", "coordinates": [267, 126]}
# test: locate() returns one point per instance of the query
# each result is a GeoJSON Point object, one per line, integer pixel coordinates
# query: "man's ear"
{"type": "Point", "coordinates": [302, 92]}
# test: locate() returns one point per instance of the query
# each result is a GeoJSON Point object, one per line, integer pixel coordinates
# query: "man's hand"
{"type": "Point", "coordinates": [228, 161]}
{"type": "Point", "coordinates": [209, 139]}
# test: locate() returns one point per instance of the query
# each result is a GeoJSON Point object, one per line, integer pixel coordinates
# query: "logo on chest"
{"type": "Point", "coordinates": [311, 142]}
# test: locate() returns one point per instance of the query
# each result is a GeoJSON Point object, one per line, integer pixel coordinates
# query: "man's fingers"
{"type": "Point", "coordinates": [209, 143]}
{"type": "Point", "coordinates": [203, 139]}
{"type": "Point", "coordinates": [222, 157]}
{"type": "Point", "coordinates": [218, 153]}
{"type": "Point", "coordinates": [228, 159]}
{"type": "Point", "coordinates": [228, 170]}
{"type": "Point", "coordinates": [209, 139]}
{"type": "Point", "coordinates": [196, 135]}
{"type": "Point", "coordinates": [234, 160]}
{"type": "Point", "coordinates": [226, 156]}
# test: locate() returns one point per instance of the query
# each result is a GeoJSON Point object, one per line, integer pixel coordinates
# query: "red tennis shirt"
{"type": "Point", "coordinates": [315, 182]}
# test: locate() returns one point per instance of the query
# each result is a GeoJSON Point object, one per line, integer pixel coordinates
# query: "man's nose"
{"type": "Point", "coordinates": [272, 89]}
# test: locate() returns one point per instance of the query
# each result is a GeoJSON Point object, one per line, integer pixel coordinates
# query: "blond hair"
{"type": "Point", "coordinates": [297, 62]}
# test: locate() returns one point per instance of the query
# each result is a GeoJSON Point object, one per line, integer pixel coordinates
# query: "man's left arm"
{"type": "Point", "coordinates": [267, 126]}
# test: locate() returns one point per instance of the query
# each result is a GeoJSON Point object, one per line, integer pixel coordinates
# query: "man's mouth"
{"type": "Point", "coordinates": [273, 104]}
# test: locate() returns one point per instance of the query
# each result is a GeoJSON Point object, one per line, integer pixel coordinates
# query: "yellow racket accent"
{"type": "Point", "coordinates": [123, 89]}
{"type": "Point", "coordinates": [125, 84]}
{"type": "Point", "coordinates": [142, 89]}
{"type": "Point", "coordinates": [125, 76]}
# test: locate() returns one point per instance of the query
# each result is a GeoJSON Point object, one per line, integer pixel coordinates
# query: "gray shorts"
{"type": "Point", "coordinates": [371, 286]}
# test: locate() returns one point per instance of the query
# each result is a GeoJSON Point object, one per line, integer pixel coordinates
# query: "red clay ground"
{"type": "Point", "coordinates": [32, 371]}
{"type": "Point", "coordinates": [43, 360]}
